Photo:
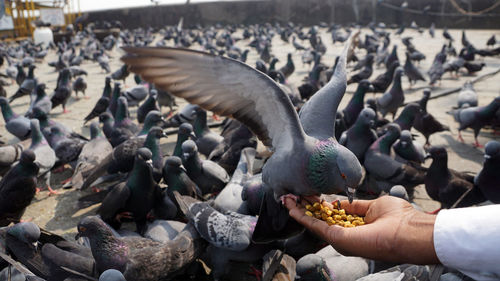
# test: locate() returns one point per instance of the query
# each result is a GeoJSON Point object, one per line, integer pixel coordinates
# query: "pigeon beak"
{"type": "Point", "coordinates": [35, 244]}
{"type": "Point", "coordinates": [77, 236]}
{"type": "Point", "coordinates": [164, 135]}
{"type": "Point", "coordinates": [486, 156]}
{"type": "Point", "coordinates": [372, 123]}
{"type": "Point", "coordinates": [150, 162]}
{"type": "Point", "coordinates": [350, 193]}
{"type": "Point", "coordinates": [371, 88]}
{"type": "Point", "coordinates": [428, 156]}
{"type": "Point", "coordinates": [193, 136]}
{"type": "Point", "coordinates": [404, 143]}
{"type": "Point", "coordinates": [186, 155]}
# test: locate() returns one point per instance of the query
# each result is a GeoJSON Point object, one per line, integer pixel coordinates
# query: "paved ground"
{"type": "Point", "coordinates": [61, 213]}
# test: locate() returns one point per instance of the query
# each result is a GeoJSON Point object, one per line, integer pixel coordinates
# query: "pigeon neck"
{"type": "Point", "coordinates": [151, 143]}
{"type": "Point", "coordinates": [36, 137]}
{"type": "Point", "coordinates": [178, 145]}
{"type": "Point", "coordinates": [95, 132]}
{"type": "Point", "coordinates": [200, 124]}
{"type": "Point", "coordinates": [108, 251]}
{"type": "Point", "coordinates": [385, 143]}
{"type": "Point", "coordinates": [7, 112]}
{"type": "Point", "coordinates": [193, 163]}
{"type": "Point", "coordinates": [358, 98]}
{"type": "Point", "coordinates": [121, 113]}
{"type": "Point", "coordinates": [272, 66]}
{"type": "Point", "coordinates": [31, 73]}
{"type": "Point", "coordinates": [148, 124]}
{"type": "Point", "coordinates": [489, 111]}
{"type": "Point", "coordinates": [396, 86]}
{"type": "Point", "coordinates": [141, 176]}
{"type": "Point", "coordinates": [107, 90]}
{"type": "Point", "coordinates": [423, 103]}
{"type": "Point", "coordinates": [44, 122]}
{"type": "Point", "coordinates": [319, 162]}
{"type": "Point", "coordinates": [405, 119]}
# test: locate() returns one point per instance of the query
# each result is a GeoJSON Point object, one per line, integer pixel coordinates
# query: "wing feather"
{"type": "Point", "coordinates": [224, 86]}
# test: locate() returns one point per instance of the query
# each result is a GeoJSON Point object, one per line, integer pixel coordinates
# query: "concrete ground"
{"type": "Point", "coordinates": [61, 213]}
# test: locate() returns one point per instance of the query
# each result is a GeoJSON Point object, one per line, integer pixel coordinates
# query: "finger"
{"type": "Point", "coordinates": [357, 207]}
{"type": "Point", "coordinates": [317, 226]}
{"type": "Point", "coordinates": [290, 203]}
{"type": "Point", "coordinates": [311, 199]}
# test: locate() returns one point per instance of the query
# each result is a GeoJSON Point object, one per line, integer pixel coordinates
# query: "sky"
{"type": "Point", "coordinates": [93, 5]}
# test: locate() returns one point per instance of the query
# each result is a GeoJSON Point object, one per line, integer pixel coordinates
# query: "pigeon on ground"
{"type": "Point", "coordinates": [137, 195]}
{"type": "Point", "coordinates": [93, 152]}
{"type": "Point", "coordinates": [382, 82]}
{"type": "Point", "coordinates": [230, 198]}
{"type": "Point", "coordinates": [467, 96]}
{"type": "Point", "coordinates": [394, 98]}
{"type": "Point", "coordinates": [289, 67]}
{"type": "Point", "coordinates": [45, 155]}
{"type": "Point", "coordinates": [365, 73]}
{"type": "Point", "coordinates": [108, 123]}
{"type": "Point", "coordinates": [258, 102]}
{"type": "Point", "coordinates": [432, 30]}
{"type": "Point", "coordinates": [412, 72]}
{"type": "Point", "coordinates": [79, 85]}
{"type": "Point", "coordinates": [21, 75]}
{"type": "Point", "coordinates": [407, 149]}
{"type": "Point", "coordinates": [176, 178]}
{"type": "Point", "coordinates": [27, 86]}
{"type": "Point", "coordinates": [488, 178]}
{"type": "Point", "coordinates": [447, 35]}
{"type": "Point", "coordinates": [206, 140]}
{"type": "Point", "coordinates": [208, 175]}
{"type": "Point", "coordinates": [475, 118]}
{"type": "Point", "coordinates": [405, 119]}
{"type": "Point", "coordinates": [113, 100]}
{"type": "Point", "coordinates": [137, 258]}
{"type": "Point", "coordinates": [360, 136]}
{"type": "Point", "coordinates": [356, 104]}
{"type": "Point", "coordinates": [63, 90]}
{"type": "Point", "coordinates": [151, 103]}
{"type": "Point", "coordinates": [15, 124]}
{"type": "Point", "coordinates": [473, 67]}
{"type": "Point", "coordinates": [99, 108]}
{"type": "Point", "coordinates": [437, 69]}
{"type": "Point", "coordinates": [123, 128]}
{"type": "Point", "coordinates": [17, 188]}
{"type": "Point", "coordinates": [446, 185]}
{"type": "Point", "coordinates": [328, 264]}
{"type": "Point", "coordinates": [491, 41]}
{"type": "Point", "coordinates": [227, 230]}
{"type": "Point", "coordinates": [66, 148]}
{"type": "Point", "coordinates": [121, 74]}
{"type": "Point", "coordinates": [384, 170]}
{"type": "Point", "coordinates": [424, 122]}
{"type": "Point", "coordinates": [40, 100]}
{"type": "Point", "coordinates": [392, 57]}
{"type": "Point", "coordinates": [135, 94]}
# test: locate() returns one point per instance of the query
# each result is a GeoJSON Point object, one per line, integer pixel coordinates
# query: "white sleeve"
{"type": "Point", "coordinates": [468, 239]}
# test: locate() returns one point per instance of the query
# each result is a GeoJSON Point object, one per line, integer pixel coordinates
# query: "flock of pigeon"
{"type": "Point", "coordinates": [212, 204]}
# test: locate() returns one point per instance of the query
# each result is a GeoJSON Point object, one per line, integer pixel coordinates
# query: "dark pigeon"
{"type": "Point", "coordinates": [488, 179]}
{"type": "Point", "coordinates": [424, 122]}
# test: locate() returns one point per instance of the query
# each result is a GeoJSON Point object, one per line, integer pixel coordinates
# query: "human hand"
{"type": "Point", "coordinates": [394, 231]}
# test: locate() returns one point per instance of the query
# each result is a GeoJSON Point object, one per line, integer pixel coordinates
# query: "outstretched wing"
{"type": "Point", "coordinates": [317, 116]}
{"type": "Point", "coordinates": [222, 85]}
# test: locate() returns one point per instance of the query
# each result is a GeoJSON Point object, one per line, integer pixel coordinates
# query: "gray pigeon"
{"type": "Point", "coordinates": [135, 94]}
{"type": "Point", "coordinates": [206, 140]}
{"type": "Point", "coordinates": [45, 155]}
{"type": "Point", "coordinates": [112, 275]}
{"type": "Point", "coordinates": [467, 96]}
{"type": "Point", "coordinates": [328, 264]}
{"type": "Point", "coordinates": [151, 103]}
{"type": "Point", "coordinates": [93, 152]}
{"type": "Point", "coordinates": [40, 100]}
{"type": "Point", "coordinates": [208, 175]}
{"type": "Point", "coordinates": [394, 98]}
{"type": "Point", "coordinates": [424, 122]}
{"type": "Point", "coordinates": [412, 71]}
{"type": "Point", "coordinates": [9, 154]}
{"type": "Point", "coordinates": [229, 198]}
{"type": "Point", "coordinates": [184, 133]}
{"type": "Point", "coordinates": [475, 118]}
{"type": "Point", "coordinates": [404, 272]}
{"type": "Point", "coordinates": [137, 258]}
{"type": "Point", "coordinates": [66, 148]}
{"type": "Point", "coordinates": [228, 230]}
{"type": "Point", "coordinates": [164, 230]}
{"type": "Point", "coordinates": [123, 128]}
{"type": "Point", "coordinates": [15, 124]}
{"type": "Point", "coordinates": [407, 149]}
{"type": "Point", "coordinates": [384, 170]}
{"type": "Point", "coordinates": [231, 88]}
{"type": "Point", "coordinates": [400, 192]}
{"type": "Point", "coordinates": [361, 135]}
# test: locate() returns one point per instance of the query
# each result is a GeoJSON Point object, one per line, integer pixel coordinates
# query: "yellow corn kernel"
{"type": "Point", "coordinates": [335, 211]}
{"type": "Point", "coordinates": [342, 212]}
{"type": "Point", "coordinates": [344, 217]}
{"type": "Point", "coordinates": [337, 217]}
{"type": "Point", "coordinates": [309, 214]}
{"type": "Point", "coordinates": [341, 223]}
{"type": "Point", "coordinates": [324, 216]}
{"type": "Point", "coordinates": [317, 206]}
{"type": "Point", "coordinates": [308, 207]}
{"type": "Point", "coordinates": [350, 218]}
{"type": "Point", "coordinates": [329, 212]}
{"type": "Point", "coordinates": [349, 225]}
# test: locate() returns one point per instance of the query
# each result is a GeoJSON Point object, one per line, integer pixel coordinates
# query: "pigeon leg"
{"type": "Point", "coordinates": [65, 111]}
{"type": "Point", "coordinates": [66, 181]}
{"type": "Point", "coordinates": [96, 189]}
{"type": "Point", "coordinates": [86, 97]}
{"type": "Point", "coordinates": [477, 144]}
{"type": "Point", "coordinates": [124, 215]}
{"type": "Point", "coordinates": [215, 117]}
{"type": "Point", "coordinates": [51, 191]}
{"type": "Point", "coordinates": [435, 211]}
{"type": "Point", "coordinates": [460, 137]}
{"type": "Point", "coordinates": [255, 272]}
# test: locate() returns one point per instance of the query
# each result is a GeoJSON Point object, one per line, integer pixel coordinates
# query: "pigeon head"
{"type": "Point", "coordinates": [153, 93]}
{"type": "Point", "coordinates": [366, 86]}
{"type": "Point", "coordinates": [95, 131]}
{"type": "Point", "coordinates": [312, 267]}
{"type": "Point", "coordinates": [492, 150]}
{"type": "Point", "coordinates": [438, 152]}
{"type": "Point", "coordinates": [26, 232]}
{"type": "Point", "coordinates": [186, 130]}
{"type": "Point", "coordinates": [3, 101]}
{"type": "Point", "coordinates": [173, 161]}
{"type": "Point", "coordinates": [40, 89]}
{"type": "Point", "coordinates": [27, 156]}
{"type": "Point", "coordinates": [107, 80]}
{"type": "Point", "coordinates": [398, 72]}
{"type": "Point", "coordinates": [105, 117]}
{"type": "Point", "coordinates": [405, 138]}
{"type": "Point", "coordinates": [144, 155]}
{"type": "Point", "coordinates": [153, 118]}
{"type": "Point", "coordinates": [409, 112]}
{"type": "Point", "coordinates": [157, 133]}
{"type": "Point", "coordinates": [92, 226]}
{"type": "Point", "coordinates": [112, 275]}
{"type": "Point", "coordinates": [367, 116]}
{"type": "Point", "coordinates": [189, 149]}
{"type": "Point", "coordinates": [427, 92]}
{"type": "Point", "coordinates": [333, 168]}
{"type": "Point", "coordinates": [400, 192]}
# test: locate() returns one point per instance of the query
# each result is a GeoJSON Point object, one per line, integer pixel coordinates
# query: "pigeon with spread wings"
{"type": "Point", "coordinates": [307, 159]}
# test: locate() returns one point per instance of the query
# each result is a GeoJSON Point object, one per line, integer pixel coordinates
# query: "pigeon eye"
{"type": "Point", "coordinates": [342, 175]}
{"type": "Point", "coordinates": [82, 229]}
